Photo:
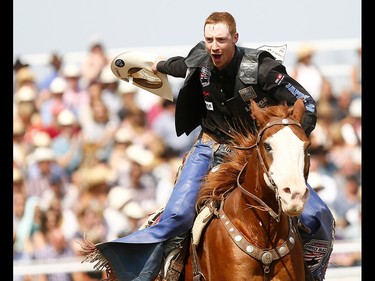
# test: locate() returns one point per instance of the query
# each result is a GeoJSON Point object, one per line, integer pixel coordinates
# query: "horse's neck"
{"type": "Point", "coordinates": [253, 220]}
{"type": "Point", "coordinates": [255, 184]}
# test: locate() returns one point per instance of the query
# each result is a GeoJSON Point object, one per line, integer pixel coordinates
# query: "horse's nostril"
{"type": "Point", "coordinates": [287, 190]}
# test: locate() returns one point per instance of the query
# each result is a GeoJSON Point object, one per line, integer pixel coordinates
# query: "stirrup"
{"type": "Point", "coordinates": [174, 265]}
{"type": "Point", "coordinates": [174, 262]}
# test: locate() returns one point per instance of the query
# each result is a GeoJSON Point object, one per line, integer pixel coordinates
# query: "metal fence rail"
{"type": "Point", "coordinates": [75, 264]}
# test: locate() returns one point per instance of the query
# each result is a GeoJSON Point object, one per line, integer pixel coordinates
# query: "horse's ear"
{"type": "Point", "coordinates": [298, 110]}
{"type": "Point", "coordinates": [258, 113]}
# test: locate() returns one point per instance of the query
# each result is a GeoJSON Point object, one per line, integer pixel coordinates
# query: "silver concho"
{"type": "Point", "coordinates": [267, 258]}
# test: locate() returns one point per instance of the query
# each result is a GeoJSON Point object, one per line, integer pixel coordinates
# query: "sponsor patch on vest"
{"type": "Point", "coordinates": [263, 102]}
{"type": "Point", "coordinates": [209, 105]}
{"type": "Point", "coordinates": [205, 76]}
{"type": "Point", "coordinates": [279, 78]}
{"type": "Point", "coordinates": [247, 93]}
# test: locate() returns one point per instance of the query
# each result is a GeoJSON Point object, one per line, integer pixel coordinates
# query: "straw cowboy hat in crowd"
{"type": "Point", "coordinates": [135, 67]}
{"type": "Point", "coordinates": [305, 50]}
{"type": "Point", "coordinates": [121, 199]}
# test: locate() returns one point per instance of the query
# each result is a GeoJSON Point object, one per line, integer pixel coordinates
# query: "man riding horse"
{"type": "Point", "coordinates": [221, 79]}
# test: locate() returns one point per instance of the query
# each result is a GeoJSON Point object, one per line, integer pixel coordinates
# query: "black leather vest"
{"type": "Point", "coordinates": [190, 106]}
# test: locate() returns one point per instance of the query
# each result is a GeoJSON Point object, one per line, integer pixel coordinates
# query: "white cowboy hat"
{"type": "Point", "coordinates": [135, 67]}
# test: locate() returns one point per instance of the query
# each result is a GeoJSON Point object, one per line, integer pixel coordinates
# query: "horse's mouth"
{"type": "Point", "coordinates": [292, 209]}
{"type": "Point", "coordinates": [290, 213]}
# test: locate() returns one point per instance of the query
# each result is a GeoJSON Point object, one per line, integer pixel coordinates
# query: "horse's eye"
{"type": "Point", "coordinates": [267, 147]}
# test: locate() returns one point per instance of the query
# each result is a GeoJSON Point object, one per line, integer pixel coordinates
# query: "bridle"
{"type": "Point", "coordinates": [266, 256]}
{"type": "Point", "coordinates": [272, 186]}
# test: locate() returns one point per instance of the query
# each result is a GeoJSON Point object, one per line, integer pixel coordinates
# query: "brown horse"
{"type": "Point", "coordinates": [253, 197]}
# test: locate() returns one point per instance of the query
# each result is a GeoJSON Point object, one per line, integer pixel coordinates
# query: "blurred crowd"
{"type": "Point", "coordinates": [94, 156]}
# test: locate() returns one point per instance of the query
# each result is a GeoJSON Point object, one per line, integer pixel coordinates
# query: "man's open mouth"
{"type": "Point", "coordinates": [216, 57]}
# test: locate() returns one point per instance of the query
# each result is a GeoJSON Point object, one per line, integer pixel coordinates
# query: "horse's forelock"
{"type": "Point", "coordinates": [281, 111]}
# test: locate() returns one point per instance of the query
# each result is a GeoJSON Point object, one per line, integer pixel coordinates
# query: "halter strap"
{"type": "Point", "coordinates": [276, 121]}
{"type": "Point", "coordinates": [273, 187]}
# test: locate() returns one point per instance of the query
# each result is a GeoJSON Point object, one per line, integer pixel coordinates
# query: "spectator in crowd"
{"type": "Point", "coordinates": [27, 224]}
{"type": "Point", "coordinates": [352, 124]}
{"type": "Point", "coordinates": [94, 94]}
{"type": "Point", "coordinates": [343, 102]}
{"type": "Point", "coordinates": [24, 101]}
{"type": "Point", "coordinates": [25, 106]}
{"type": "Point", "coordinates": [91, 223]}
{"type": "Point", "coordinates": [19, 200]}
{"type": "Point", "coordinates": [320, 136]}
{"type": "Point", "coordinates": [135, 122]}
{"type": "Point", "coordinates": [118, 222]}
{"type": "Point", "coordinates": [20, 256]}
{"type": "Point", "coordinates": [24, 75]}
{"type": "Point", "coordinates": [50, 218]}
{"type": "Point", "coordinates": [328, 96]}
{"type": "Point", "coordinates": [20, 147]}
{"type": "Point", "coordinates": [323, 183]}
{"type": "Point", "coordinates": [109, 95]}
{"type": "Point", "coordinates": [95, 183]}
{"type": "Point", "coordinates": [93, 63]}
{"type": "Point", "coordinates": [118, 160]}
{"type": "Point", "coordinates": [346, 154]}
{"type": "Point", "coordinates": [62, 198]}
{"type": "Point", "coordinates": [165, 174]}
{"type": "Point", "coordinates": [127, 92]}
{"type": "Point", "coordinates": [41, 167]}
{"type": "Point", "coordinates": [55, 64]}
{"type": "Point", "coordinates": [19, 64]}
{"type": "Point", "coordinates": [100, 129]}
{"type": "Point", "coordinates": [306, 72]}
{"type": "Point", "coordinates": [348, 200]}
{"type": "Point", "coordinates": [18, 181]}
{"type": "Point", "coordinates": [41, 139]}
{"type": "Point", "coordinates": [164, 126]}
{"type": "Point", "coordinates": [75, 96]}
{"type": "Point", "coordinates": [54, 104]}
{"type": "Point", "coordinates": [142, 183]}
{"type": "Point", "coordinates": [67, 146]}
{"type": "Point", "coordinates": [38, 138]}
{"type": "Point", "coordinates": [136, 215]}
{"type": "Point", "coordinates": [56, 247]}
{"type": "Point", "coordinates": [356, 75]}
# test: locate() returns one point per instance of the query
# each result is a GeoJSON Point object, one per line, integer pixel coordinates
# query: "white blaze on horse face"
{"type": "Point", "coordinates": [287, 170]}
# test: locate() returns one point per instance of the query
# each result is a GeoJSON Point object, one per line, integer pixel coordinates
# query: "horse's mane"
{"type": "Point", "coordinates": [218, 182]}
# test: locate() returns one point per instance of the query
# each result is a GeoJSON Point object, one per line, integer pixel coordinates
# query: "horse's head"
{"type": "Point", "coordinates": [283, 150]}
